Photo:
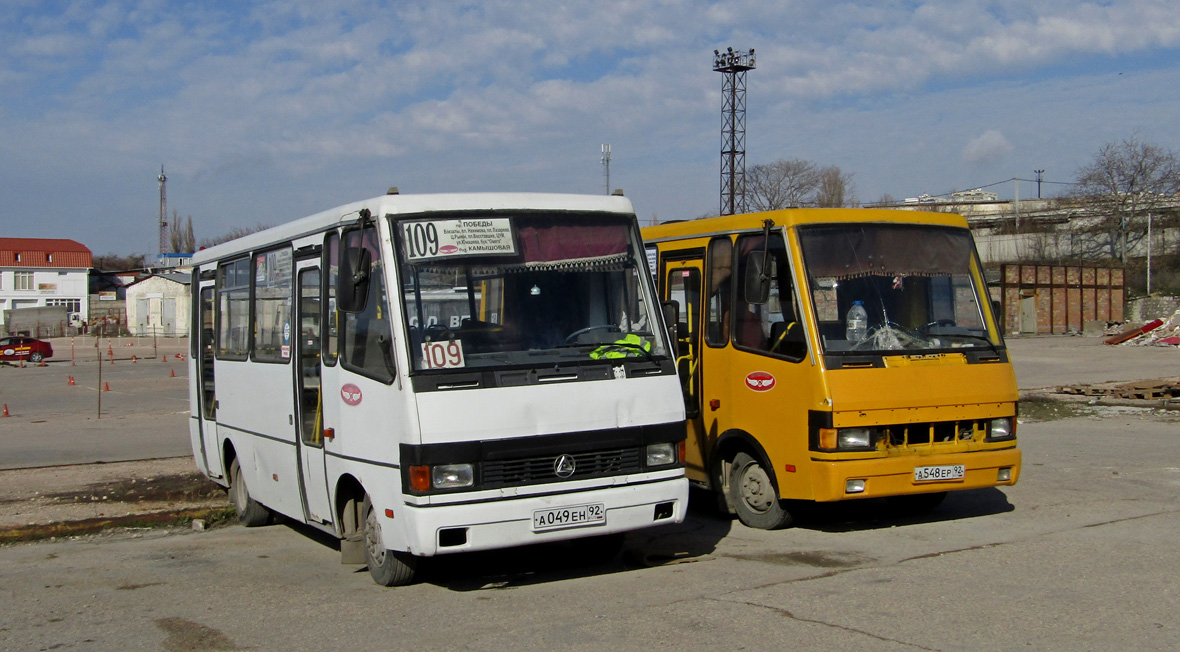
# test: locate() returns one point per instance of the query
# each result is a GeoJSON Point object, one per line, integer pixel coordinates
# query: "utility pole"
{"type": "Point", "coordinates": [163, 210]}
{"type": "Point", "coordinates": [733, 127]}
{"type": "Point", "coordinates": [1039, 179]}
{"type": "Point", "coordinates": [606, 165]}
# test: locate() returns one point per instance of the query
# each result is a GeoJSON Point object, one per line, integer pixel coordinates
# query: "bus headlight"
{"type": "Point", "coordinates": [661, 454]}
{"type": "Point", "coordinates": [452, 476]}
{"type": "Point", "coordinates": [998, 429]}
{"type": "Point", "coordinates": [852, 438]}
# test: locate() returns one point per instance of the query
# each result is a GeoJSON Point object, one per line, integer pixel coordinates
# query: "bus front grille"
{"type": "Point", "coordinates": [537, 470]}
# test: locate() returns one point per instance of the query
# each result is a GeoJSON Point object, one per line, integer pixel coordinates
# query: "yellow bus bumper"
{"type": "Point", "coordinates": [894, 476]}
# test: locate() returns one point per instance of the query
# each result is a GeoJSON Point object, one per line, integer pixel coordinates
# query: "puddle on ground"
{"type": "Point", "coordinates": [184, 634]}
{"type": "Point", "coordinates": [814, 558]}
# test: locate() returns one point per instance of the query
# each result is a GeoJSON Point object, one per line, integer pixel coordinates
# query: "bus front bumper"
{"type": "Point", "coordinates": [444, 529]}
{"type": "Point", "coordinates": [897, 476]}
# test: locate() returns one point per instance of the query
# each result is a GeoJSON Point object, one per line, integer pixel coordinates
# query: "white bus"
{"type": "Point", "coordinates": [430, 374]}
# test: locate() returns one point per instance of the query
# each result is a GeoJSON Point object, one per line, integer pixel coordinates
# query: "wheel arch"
{"type": "Point", "coordinates": [729, 444]}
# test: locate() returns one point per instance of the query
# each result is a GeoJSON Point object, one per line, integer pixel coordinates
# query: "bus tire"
{"type": "Point", "coordinates": [754, 496]}
{"type": "Point", "coordinates": [386, 567]}
{"type": "Point", "coordinates": [250, 512]}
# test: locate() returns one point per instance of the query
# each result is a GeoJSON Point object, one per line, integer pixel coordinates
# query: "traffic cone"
{"type": "Point", "coordinates": [106, 387]}
{"type": "Point", "coordinates": [72, 381]}
{"type": "Point", "coordinates": [133, 360]}
{"type": "Point", "coordinates": [174, 373]}
{"type": "Point", "coordinates": [5, 411]}
{"type": "Point", "coordinates": [164, 358]}
{"type": "Point", "coordinates": [42, 364]}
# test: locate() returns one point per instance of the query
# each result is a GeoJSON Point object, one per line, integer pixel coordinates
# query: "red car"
{"type": "Point", "coordinates": [25, 348]}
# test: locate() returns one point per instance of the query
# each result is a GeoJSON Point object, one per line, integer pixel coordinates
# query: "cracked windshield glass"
{"type": "Point", "coordinates": [499, 291]}
{"type": "Point", "coordinates": [884, 288]}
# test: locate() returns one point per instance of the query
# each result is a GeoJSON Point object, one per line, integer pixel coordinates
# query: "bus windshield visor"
{"type": "Point", "coordinates": [895, 288]}
{"type": "Point", "coordinates": [525, 290]}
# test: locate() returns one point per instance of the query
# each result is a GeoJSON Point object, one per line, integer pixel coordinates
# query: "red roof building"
{"type": "Point", "coordinates": [43, 252]}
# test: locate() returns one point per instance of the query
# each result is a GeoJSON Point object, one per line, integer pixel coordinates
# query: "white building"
{"type": "Point", "coordinates": [159, 304]}
{"type": "Point", "coordinates": [40, 272]}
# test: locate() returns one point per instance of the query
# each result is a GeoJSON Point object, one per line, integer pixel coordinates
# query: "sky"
{"type": "Point", "coordinates": [264, 112]}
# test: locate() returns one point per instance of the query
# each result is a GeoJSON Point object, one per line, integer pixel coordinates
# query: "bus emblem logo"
{"type": "Point", "coordinates": [760, 381]}
{"type": "Point", "coordinates": [351, 394]}
{"type": "Point", "coordinates": [564, 466]}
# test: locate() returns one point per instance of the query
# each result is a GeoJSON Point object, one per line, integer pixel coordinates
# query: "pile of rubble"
{"type": "Point", "coordinates": [1156, 332]}
{"type": "Point", "coordinates": [1140, 389]}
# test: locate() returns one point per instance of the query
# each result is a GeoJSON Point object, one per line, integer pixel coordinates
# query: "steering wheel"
{"type": "Point", "coordinates": [569, 339]}
{"type": "Point", "coordinates": [925, 328]}
{"type": "Point", "coordinates": [438, 333]}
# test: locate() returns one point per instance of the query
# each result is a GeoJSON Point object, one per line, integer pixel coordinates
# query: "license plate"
{"type": "Point", "coordinates": [562, 517]}
{"type": "Point", "coordinates": [936, 473]}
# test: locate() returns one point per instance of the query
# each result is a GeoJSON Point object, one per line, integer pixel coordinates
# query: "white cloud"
{"type": "Point", "coordinates": [988, 147]}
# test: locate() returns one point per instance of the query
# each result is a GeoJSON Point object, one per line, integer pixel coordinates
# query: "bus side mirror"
{"type": "Point", "coordinates": [671, 314]}
{"type": "Point", "coordinates": [757, 280]}
{"type": "Point", "coordinates": [352, 284]}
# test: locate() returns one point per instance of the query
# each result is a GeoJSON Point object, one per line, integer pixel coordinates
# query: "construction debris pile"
{"type": "Point", "coordinates": [1140, 389]}
{"type": "Point", "coordinates": [1156, 332]}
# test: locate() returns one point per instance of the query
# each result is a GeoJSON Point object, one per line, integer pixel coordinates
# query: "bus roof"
{"type": "Point", "coordinates": [794, 217]}
{"type": "Point", "coordinates": [412, 205]}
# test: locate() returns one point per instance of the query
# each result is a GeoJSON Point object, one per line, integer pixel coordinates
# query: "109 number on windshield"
{"type": "Point", "coordinates": [447, 354]}
{"type": "Point", "coordinates": [420, 239]}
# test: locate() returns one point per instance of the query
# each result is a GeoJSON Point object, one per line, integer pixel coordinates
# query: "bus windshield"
{"type": "Point", "coordinates": [894, 288]}
{"type": "Point", "coordinates": [490, 291]}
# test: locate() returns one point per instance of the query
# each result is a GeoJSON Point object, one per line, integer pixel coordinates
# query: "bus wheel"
{"type": "Point", "coordinates": [386, 567]}
{"type": "Point", "coordinates": [753, 495]}
{"type": "Point", "coordinates": [250, 512]}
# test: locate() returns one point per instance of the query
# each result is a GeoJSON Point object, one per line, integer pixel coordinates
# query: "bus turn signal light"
{"type": "Point", "coordinates": [420, 478]}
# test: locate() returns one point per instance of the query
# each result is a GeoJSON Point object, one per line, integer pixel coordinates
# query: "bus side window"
{"type": "Point", "coordinates": [720, 281]}
{"type": "Point", "coordinates": [331, 316]}
{"type": "Point", "coordinates": [367, 346]}
{"type": "Point", "coordinates": [771, 326]}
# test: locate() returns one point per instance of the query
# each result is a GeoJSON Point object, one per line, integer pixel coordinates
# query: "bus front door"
{"type": "Point", "coordinates": [309, 397]}
{"type": "Point", "coordinates": [683, 285]}
{"type": "Point", "coordinates": [206, 385]}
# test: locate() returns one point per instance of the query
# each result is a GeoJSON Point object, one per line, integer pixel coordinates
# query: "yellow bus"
{"type": "Point", "coordinates": [836, 354]}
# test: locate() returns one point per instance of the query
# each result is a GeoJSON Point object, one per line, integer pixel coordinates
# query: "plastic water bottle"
{"type": "Point", "coordinates": [857, 323]}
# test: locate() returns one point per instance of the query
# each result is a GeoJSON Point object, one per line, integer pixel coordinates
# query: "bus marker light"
{"type": "Point", "coordinates": [827, 438]}
{"type": "Point", "coordinates": [420, 478]}
{"type": "Point", "coordinates": [789, 468]}
{"type": "Point", "coordinates": [329, 433]}
{"type": "Point", "coordinates": [854, 486]}
{"type": "Point", "coordinates": [388, 513]}
{"type": "Point", "coordinates": [714, 404]}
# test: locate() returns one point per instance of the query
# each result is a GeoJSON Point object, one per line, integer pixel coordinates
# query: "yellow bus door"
{"type": "Point", "coordinates": [683, 285]}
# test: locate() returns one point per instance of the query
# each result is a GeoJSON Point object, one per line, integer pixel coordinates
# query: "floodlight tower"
{"type": "Point", "coordinates": [163, 210]}
{"type": "Point", "coordinates": [733, 127]}
{"type": "Point", "coordinates": [606, 165]}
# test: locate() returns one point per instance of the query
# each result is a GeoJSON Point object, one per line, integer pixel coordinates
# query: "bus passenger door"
{"type": "Point", "coordinates": [309, 397]}
{"type": "Point", "coordinates": [683, 285]}
{"type": "Point", "coordinates": [206, 385]}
